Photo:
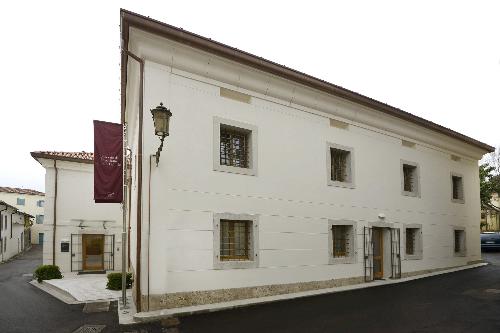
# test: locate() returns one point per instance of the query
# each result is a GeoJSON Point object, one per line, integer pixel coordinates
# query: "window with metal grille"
{"type": "Point", "coordinates": [409, 178]}
{"type": "Point", "coordinates": [457, 188]}
{"type": "Point", "coordinates": [234, 240]}
{"type": "Point", "coordinates": [234, 147]}
{"type": "Point", "coordinates": [411, 235]}
{"type": "Point", "coordinates": [339, 165]}
{"type": "Point", "coordinates": [341, 238]}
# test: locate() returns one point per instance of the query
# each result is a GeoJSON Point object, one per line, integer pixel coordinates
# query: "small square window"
{"type": "Point", "coordinates": [39, 219]}
{"type": "Point", "coordinates": [40, 203]}
{"type": "Point", "coordinates": [340, 165]}
{"type": "Point", "coordinates": [457, 188]}
{"type": "Point", "coordinates": [459, 242]}
{"type": "Point", "coordinates": [413, 241]}
{"type": "Point", "coordinates": [341, 236]}
{"type": "Point", "coordinates": [20, 201]}
{"type": "Point", "coordinates": [410, 179]}
{"type": "Point", "coordinates": [235, 147]}
{"type": "Point", "coordinates": [235, 241]}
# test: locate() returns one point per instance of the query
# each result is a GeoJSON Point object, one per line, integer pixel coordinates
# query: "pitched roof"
{"type": "Point", "coordinates": [20, 190]}
{"type": "Point", "coordinates": [131, 19]}
{"type": "Point", "coordinates": [16, 211]}
{"type": "Point", "coordinates": [79, 156]}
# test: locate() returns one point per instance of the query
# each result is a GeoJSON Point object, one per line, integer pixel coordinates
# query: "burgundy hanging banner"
{"type": "Point", "coordinates": [108, 162]}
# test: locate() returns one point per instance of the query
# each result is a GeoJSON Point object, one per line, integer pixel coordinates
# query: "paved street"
{"type": "Point", "coordinates": [467, 301]}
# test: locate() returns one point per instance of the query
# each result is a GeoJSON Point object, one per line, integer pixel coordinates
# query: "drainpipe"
{"type": "Point", "coordinates": [149, 216]}
{"type": "Point", "coordinates": [55, 216]}
{"type": "Point", "coordinates": [139, 179]}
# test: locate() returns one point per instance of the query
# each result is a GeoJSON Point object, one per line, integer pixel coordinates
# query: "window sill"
{"type": "Point", "coordinates": [410, 194]}
{"type": "Point", "coordinates": [413, 257]}
{"type": "Point", "coordinates": [341, 261]}
{"type": "Point", "coordinates": [243, 264]}
{"type": "Point", "coordinates": [341, 184]}
{"type": "Point", "coordinates": [231, 169]}
{"type": "Point", "coordinates": [460, 201]}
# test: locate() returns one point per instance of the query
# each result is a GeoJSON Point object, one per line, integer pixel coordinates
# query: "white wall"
{"type": "Point", "coordinates": [29, 207]}
{"type": "Point", "coordinates": [75, 205]}
{"type": "Point", "coordinates": [289, 192]}
{"type": "Point", "coordinates": [11, 233]}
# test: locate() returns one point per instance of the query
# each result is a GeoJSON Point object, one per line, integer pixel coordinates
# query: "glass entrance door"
{"type": "Point", "coordinates": [93, 252]}
{"type": "Point", "coordinates": [378, 253]}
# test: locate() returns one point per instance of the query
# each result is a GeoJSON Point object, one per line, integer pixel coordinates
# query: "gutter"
{"type": "Point", "coordinates": [55, 216]}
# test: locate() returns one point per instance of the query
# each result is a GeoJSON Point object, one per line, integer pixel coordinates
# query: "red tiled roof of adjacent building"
{"type": "Point", "coordinates": [20, 190]}
{"type": "Point", "coordinates": [78, 156]}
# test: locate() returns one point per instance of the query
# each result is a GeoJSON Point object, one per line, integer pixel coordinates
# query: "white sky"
{"type": "Point", "coordinates": [60, 61]}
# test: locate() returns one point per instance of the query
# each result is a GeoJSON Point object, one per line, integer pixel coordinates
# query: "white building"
{"type": "Point", "coordinates": [273, 181]}
{"type": "Point", "coordinates": [14, 231]}
{"type": "Point", "coordinates": [87, 235]}
{"type": "Point", "coordinates": [31, 202]}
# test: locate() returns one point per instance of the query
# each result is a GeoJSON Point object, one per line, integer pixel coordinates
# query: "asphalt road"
{"type": "Point", "coordinates": [26, 309]}
{"type": "Point", "coordinates": [466, 301]}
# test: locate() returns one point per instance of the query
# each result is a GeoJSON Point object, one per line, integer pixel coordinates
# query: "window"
{"type": "Point", "coordinates": [342, 238]}
{"type": "Point", "coordinates": [39, 219]}
{"type": "Point", "coordinates": [5, 245]}
{"type": "Point", "coordinates": [457, 188]}
{"type": "Point", "coordinates": [340, 165]}
{"type": "Point", "coordinates": [40, 203]}
{"type": "Point", "coordinates": [459, 241]}
{"type": "Point", "coordinates": [21, 201]}
{"type": "Point", "coordinates": [235, 241]}
{"type": "Point", "coordinates": [413, 241]}
{"type": "Point", "coordinates": [235, 147]}
{"type": "Point", "coordinates": [410, 179]}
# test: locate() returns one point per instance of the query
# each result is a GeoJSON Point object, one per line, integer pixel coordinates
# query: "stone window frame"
{"type": "Point", "coordinates": [352, 258]}
{"type": "Point", "coordinates": [254, 241]}
{"type": "Point", "coordinates": [253, 151]}
{"type": "Point", "coordinates": [415, 193]}
{"type": "Point", "coordinates": [419, 251]}
{"type": "Point", "coordinates": [463, 241]}
{"type": "Point", "coordinates": [455, 174]}
{"type": "Point", "coordinates": [350, 168]}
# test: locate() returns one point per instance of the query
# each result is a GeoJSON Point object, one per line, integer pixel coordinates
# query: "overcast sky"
{"type": "Point", "coordinates": [60, 62]}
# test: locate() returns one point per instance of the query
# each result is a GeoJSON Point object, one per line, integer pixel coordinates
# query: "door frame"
{"type": "Point", "coordinates": [84, 252]}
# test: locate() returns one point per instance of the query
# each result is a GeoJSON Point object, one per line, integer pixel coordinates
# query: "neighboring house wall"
{"type": "Point", "coordinates": [490, 216]}
{"type": "Point", "coordinates": [288, 193]}
{"type": "Point", "coordinates": [77, 215]}
{"type": "Point", "coordinates": [31, 207]}
{"type": "Point", "coordinates": [12, 238]}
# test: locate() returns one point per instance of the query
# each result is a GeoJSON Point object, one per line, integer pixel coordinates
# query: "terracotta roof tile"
{"type": "Point", "coordinates": [78, 156]}
{"type": "Point", "coordinates": [20, 190]}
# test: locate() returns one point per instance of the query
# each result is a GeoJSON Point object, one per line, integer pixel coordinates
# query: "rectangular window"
{"type": "Point", "coordinates": [457, 188]}
{"type": "Point", "coordinates": [233, 147]}
{"type": "Point", "coordinates": [410, 179]}
{"type": "Point", "coordinates": [413, 241]}
{"type": "Point", "coordinates": [459, 242]}
{"type": "Point", "coordinates": [20, 201]}
{"type": "Point", "coordinates": [39, 219]}
{"type": "Point", "coordinates": [410, 240]}
{"type": "Point", "coordinates": [340, 165]}
{"type": "Point", "coordinates": [234, 240]}
{"type": "Point", "coordinates": [341, 238]}
{"type": "Point", "coordinates": [40, 203]}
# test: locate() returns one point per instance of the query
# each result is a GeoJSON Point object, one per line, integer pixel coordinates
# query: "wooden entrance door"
{"type": "Point", "coordinates": [93, 252]}
{"type": "Point", "coordinates": [378, 253]}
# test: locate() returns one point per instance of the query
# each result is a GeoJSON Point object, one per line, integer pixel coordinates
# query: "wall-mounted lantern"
{"type": "Point", "coordinates": [161, 118]}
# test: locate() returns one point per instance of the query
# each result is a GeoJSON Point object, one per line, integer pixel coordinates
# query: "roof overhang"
{"type": "Point", "coordinates": [38, 155]}
{"type": "Point", "coordinates": [130, 19]}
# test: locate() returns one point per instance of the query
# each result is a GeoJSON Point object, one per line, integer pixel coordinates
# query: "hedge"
{"type": "Point", "coordinates": [47, 272]}
{"type": "Point", "coordinates": [115, 281]}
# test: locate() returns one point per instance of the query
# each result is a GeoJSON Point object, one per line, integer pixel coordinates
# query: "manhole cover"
{"type": "Point", "coordinates": [90, 329]}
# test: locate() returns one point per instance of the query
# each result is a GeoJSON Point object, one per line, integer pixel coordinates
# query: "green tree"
{"type": "Point", "coordinates": [487, 187]}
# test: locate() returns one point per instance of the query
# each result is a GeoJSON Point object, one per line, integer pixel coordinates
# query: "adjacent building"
{"type": "Point", "coordinates": [79, 235]}
{"type": "Point", "coordinates": [490, 214]}
{"type": "Point", "coordinates": [31, 202]}
{"type": "Point", "coordinates": [15, 227]}
{"type": "Point", "coordinates": [272, 181]}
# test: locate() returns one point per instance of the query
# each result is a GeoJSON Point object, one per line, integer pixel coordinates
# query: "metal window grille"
{"type": "Point", "coordinates": [234, 147]}
{"type": "Point", "coordinates": [340, 237]}
{"type": "Point", "coordinates": [457, 187]}
{"type": "Point", "coordinates": [339, 167]}
{"type": "Point", "coordinates": [410, 240]}
{"type": "Point", "coordinates": [234, 240]}
{"type": "Point", "coordinates": [409, 177]}
{"type": "Point", "coordinates": [458, 238]}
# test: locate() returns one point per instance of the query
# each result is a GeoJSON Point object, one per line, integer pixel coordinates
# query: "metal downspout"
{"type": "Point", "coordinates": [55, 216]}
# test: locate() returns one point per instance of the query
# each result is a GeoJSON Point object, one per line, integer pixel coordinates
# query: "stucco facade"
{"type": "Point", "coordinates": [77, 215]}
{"type": "Point", "coordinates": [33, 205]}
{"type": "Point", "coordinates": [13, 227]}
{"type": "Point", "coordinates": [286, 192]}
